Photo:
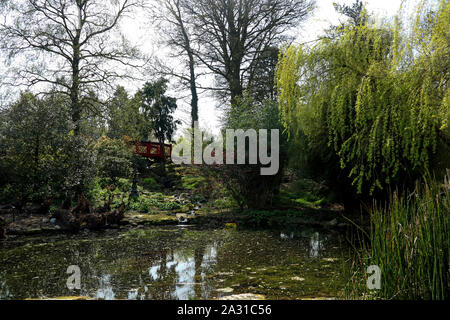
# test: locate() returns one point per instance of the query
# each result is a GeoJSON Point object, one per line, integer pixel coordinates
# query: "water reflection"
{"type": "Point", "coordinates": [105, 290]}
{"type": "Point", "coordinates": [187, 270]}
{"type": "Point", "coordinates": [285, 236]}
{"type": "Point", "coordinates": [4, 290]}
{"type": "Point", "coordinates": [316, 241]}
{"type": "Point", "coordinates": [171, 264]}
{"type": "Point", "coordinates": [315, 244]}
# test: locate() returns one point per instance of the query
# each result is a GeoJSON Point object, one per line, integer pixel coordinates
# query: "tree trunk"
{"type": "Point", "coordinates": [192, 80]}
{"type": "Point", "coordinates": [76, 110]}
{"type": "Point", "coordinates": [194, 102]}
{"type": "Point", "coordinates": [163, 159]}
{"type": "Point", "coordinates": [36, 164]}
{"type": "Point", "coordinates": [75, 89]}
{"type": "Point", "coordinates": [234, 79]}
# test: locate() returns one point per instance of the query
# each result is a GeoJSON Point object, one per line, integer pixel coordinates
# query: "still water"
{"type": "Point", "coordinates": [175, 263]}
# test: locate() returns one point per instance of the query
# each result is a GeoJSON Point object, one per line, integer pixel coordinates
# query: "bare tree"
{"type": "Point", "coordinates": [176, 32]}
{"type": "Point", "coordinates": [229, 36]}
{"type": "Point", "coordinates": [356, 12]}
{"type": "Point", "coordinates": [71, 45]}
{"type": "Point", "coordinates": [262, 84]}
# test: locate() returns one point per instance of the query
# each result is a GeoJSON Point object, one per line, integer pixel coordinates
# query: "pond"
{"type": "Point", "coordinates": [175, 263]}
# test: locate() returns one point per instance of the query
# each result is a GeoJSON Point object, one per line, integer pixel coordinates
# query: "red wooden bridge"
{"type": "Point", "coordinates": [152, 150]}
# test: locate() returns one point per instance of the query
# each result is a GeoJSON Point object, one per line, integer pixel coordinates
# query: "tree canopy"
{"type": "Point", "coordinates": [374, 95]}
{"type": "Point", "coordinates": [69, 45]}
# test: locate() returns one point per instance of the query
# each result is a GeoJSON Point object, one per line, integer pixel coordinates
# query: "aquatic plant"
{"type": "Point", "coordinates": [409, 241]}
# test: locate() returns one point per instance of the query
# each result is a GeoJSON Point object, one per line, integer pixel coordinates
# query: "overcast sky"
{"type": "Point", "coordinates": [324, 16]}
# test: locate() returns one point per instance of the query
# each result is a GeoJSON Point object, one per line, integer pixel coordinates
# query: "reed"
{"type": "Point", "coordinates": [409, 240]}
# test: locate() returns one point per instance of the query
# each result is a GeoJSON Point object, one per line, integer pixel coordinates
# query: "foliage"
{"type": "Point", "coordinates": [355, 12]}
{"type": "Point", "coordinates": [116, 195]}
{"type": "Point", "coordinates": [113, 160]}
{"type": "Point", "coordinates": [123, 115]}
{"type": "Point", "coordinates": [244, 182]}
{"type": "Point", "coordinates": [224, 203]}
{"type": "Point", "coordinates": [80, 39]}
{"type": "Point", "coordinates": [145, 204]}
{"type": "Point", "coordinates": [371, 99]}
{"type": "Point", "coordinates": [200, 184]}
{"type": "Point", "coordinates": [151, 184]}
{"type": "Point", "coordinates": [33, 147]}
{"type": "Point", "coordinates": [409, 241]}
{"type": "Point", "coordinates": [192, 182]}
{"type": "Point", "coordinates": [140, 205]}
{"type": "Point", "coordinates": [42, 158]}
{"type": "Point", "coordinates": [157, 109]}
{"type": "Point", "coordinates": [262, 86]}
{"type": "Point", "coordinates": [197, 198]}
{"type": "Point", "coordinates": [80, 167]}
{"type": "Point", "coordinates": [304, 193]}
{"type": "Point", "coordinates": [169, 205]}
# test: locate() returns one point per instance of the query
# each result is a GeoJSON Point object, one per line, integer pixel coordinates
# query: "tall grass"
{"type": "Point", "coordinates": [409, 240]}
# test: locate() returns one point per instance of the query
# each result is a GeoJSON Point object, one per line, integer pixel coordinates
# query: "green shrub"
{"type": "Point", "coordinates": [198, 198]}
{"type": "Point", "coordinates": [304, 193]}
{"type": "Point", "coordinates": [191, 183]}
{"type": "Point", "coordinates": [169, 205]}
{"type": "Point", "coordinates": [140, 205]}
{"type": "Point", "coordinates": [144, 204]}
{"type": "Point", "coordinates": [113, 159]}
{"type": "Point", "coordinates": [6, 194]}
{"type": "Point", "coordinates": [245, 183]}
{"type": "Point", "coordinates": [151, 184]}
{"type": "Point", "coordinates": [124, 185]}
{"type": "Point", "coordinates": [225, 203]}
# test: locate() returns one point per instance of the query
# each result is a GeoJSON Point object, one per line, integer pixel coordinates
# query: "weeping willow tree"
{"type": "Point", "coordinates": [372, 97]}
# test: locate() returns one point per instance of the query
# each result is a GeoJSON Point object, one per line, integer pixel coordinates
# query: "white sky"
{"type": "Point", "coordinates": [138, 31]}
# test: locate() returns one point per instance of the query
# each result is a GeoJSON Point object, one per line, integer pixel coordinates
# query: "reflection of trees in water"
{"type": "Point", "coordinates": [112, 273]}
{"type": "Point", "coordinates": [105, 290]}
{"type": "Point", "coordinates": [160, 273]}
{"type": "Point", "coordinates": [315, 244]}
{"type": "Point", "coordinates": [181, 273]}
{"type": "Point", "coordinates": [4, 289]}
{"type": "Point", "coordinates": [198, 260]}
{"type": "Point", "coordinates": [171, 269]}
{"type": "Point", "coordinates": [110, 269]}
